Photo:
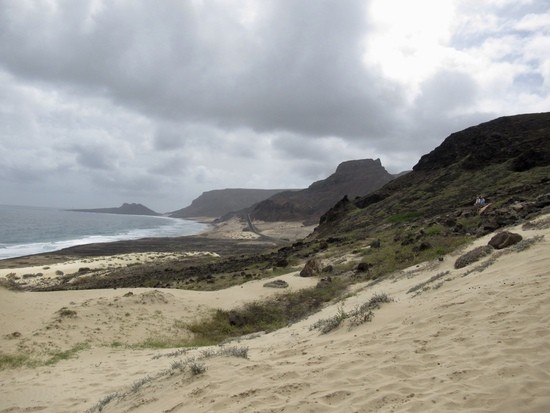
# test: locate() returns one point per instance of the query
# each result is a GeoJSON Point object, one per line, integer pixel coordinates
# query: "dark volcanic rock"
{"type": "Point", "coordinates": [352, 179]}
{"type": "Point", "coordinates": [523, 139]}
{"type": "Point", "coordinates": [311, 269]}
{"type": "Point", "coordinates": [507, 160]}
{"type": "Point", "coordinates": [504, 239]}
{"type": "Point", "coordinates": [363, 267]}
{"type": "Point", "coordinates": [276, 284]}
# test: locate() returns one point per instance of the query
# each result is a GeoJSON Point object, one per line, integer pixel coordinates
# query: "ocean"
{"type": "Point", "coordinates": [32, 230]}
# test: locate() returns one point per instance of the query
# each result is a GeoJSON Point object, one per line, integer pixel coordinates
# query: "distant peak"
{"type": "Point", "coordinates": [357, 164]}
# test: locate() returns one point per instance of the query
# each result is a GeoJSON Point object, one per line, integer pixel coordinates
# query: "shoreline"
{"type": "Point", "coordinates": [224, 239]}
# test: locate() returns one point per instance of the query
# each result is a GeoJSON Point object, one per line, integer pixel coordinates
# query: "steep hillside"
{"type": "Point", "coordinates": [506, 160]}
{"type": "Point", "coordinates": [222, 201]}
{"type": "Point", "coordinates": [351, 178]}
{"type": "Point", "coordinates": [124, 209]}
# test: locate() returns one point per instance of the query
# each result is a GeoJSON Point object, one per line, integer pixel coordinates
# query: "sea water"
{"type": "Point", "coordinates": [31, 230]}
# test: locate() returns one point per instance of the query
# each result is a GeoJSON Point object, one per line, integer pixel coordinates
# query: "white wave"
{"type": "Point", "coordinates": [175, 228]}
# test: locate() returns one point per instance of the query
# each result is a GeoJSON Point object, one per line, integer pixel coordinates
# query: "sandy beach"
{"type": "Point", "coordinates": [474, 339]}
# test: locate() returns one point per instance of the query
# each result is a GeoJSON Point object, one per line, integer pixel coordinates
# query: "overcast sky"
{"type": "Point", "coordinates": [104, 102]}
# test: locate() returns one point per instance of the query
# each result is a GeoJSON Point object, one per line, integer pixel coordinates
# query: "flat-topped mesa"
{"type": "Point", "coordinates": [352, 178]}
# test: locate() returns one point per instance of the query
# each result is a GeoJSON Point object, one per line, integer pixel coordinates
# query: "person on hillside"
{"type": "Point", "coordinates": [480, 201]}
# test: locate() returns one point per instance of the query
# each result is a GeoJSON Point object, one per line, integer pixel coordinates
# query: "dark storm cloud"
{"type": "Point", "coordinates": [93, 156]}
{"type": "Point", "coordinates": [300, 69]}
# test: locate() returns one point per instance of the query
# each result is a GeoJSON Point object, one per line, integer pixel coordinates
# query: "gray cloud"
{"type": "Point", "coordinates": [300, 70]}
{"type": "Point", "coordinates": [161, 101]}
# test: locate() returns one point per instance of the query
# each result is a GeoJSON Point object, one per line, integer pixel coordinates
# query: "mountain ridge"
{"type": "Point", "coordinates": [124, 209]}
{"type": "Point", "coordinates": [218, 202]}
{"type": "Point", "coordinates": [352, 178]}
{"type": "Point", "coordinates": [507, 160]}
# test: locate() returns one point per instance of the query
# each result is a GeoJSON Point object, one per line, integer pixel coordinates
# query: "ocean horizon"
{"type": "Point", "coordinates": [28, 230]}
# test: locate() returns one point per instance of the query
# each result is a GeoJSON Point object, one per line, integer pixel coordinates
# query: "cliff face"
{"type": "Point", "coordinates": [506, 160]}
{"type": "Point", "coordinates": [351, 178]}
{"type": "Point", "coordinates": [222, 201]}
{"type": "Point", "coordinates": [124, 209]}
{"type": "Point", "coordinates": [523, 140]}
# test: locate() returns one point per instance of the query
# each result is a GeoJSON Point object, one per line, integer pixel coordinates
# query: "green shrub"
{"type": "Point", "coordinates": [267, 315]}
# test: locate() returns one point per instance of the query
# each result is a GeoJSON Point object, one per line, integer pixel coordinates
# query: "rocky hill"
{"type": "Point", "coordinates": [352, 178]}
{"type": "Point", "coordinates": [124, 209]}
{"type": "Point", "coordinates": [222, 201]}
{"type": "Point", "coordinates": [506, 160]}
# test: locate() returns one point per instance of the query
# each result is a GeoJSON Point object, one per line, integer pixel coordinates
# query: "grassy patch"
{"type": "Point", "coordinates": [67, 354]}
{"type": "Point", "coordinates": [13, 361]}
{"type": "Point", "coordinates": [400, 248]}
{"type": "Point", "coordinates": [265, 315]}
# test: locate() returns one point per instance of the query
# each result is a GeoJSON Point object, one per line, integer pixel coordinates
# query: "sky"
{"type": "Point", "coordinates": [105, 102]}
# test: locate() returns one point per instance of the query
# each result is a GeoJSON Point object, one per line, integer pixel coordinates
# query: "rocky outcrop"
{"type": "Point", "coordinates": [507, 160]}
{"type": "Point", "coordinates": [504, 239]}
{"type": "Point", "coordinates": [351, 179]}
{"type": "Point", "coordinates": [311, 269]}
{"type": "Point", "coordinates": [276, 284]}
{"type": "Point", "coordinates": [521, 140]}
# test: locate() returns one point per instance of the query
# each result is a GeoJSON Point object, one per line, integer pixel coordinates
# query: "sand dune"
{"type": "Point", "coordinates": [451, 340]}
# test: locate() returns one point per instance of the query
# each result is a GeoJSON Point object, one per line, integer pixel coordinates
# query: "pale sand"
{"type": "Point", "coordinates": [237, 229]}
{"type": "Point", "coordinates": [41, 274]}
{"type": "Point", "coordinates": [472, 342]}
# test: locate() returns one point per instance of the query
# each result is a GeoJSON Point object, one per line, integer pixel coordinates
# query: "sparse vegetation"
{"type": "Point", "coordinates": [12, 361]}
{"type": "Point", "coordinates": [197, 368]}
{"type": "Point", "coordinates": [527, 243]}
{"type": "Point", "coordinates": [423, 286]}
{"type": "Point", "coordinates": [403, 217]}
{"type": "Point", "coordinates": [195, 365]}
{"type": "Point", "coordinates": [67, 354]}
{"type": "Point", "coordinates": [66, 313]}
{"type": "Point", "coordinates": [472, 256]}
{"type": "Point", "coordinates": [520, 246]}
{"type": "Point", "coordinates": [360, 315]}
{"type": "Point", "coordinates": [266, 315]}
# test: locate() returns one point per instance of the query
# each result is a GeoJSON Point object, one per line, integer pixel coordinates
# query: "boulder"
{"type": "Point", "coordinates": [363, 267]}
{"type": "Point", "coordinates": [311, 269]}
{"type": "Point", "coordinates": [504, 239]}
{"type": "Point", "coordinates": [324, 282]}
{"type": "Point", "coordinates": [276, 284]}
{"type": "Point", "coordinates": [375, 243]}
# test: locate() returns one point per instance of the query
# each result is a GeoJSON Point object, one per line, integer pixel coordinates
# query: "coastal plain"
{"type": "Point", "coordinates": [473, 339]}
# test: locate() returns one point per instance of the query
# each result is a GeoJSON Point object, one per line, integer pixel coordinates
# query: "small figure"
{"type": "Point", "coordinates": [480, 201]}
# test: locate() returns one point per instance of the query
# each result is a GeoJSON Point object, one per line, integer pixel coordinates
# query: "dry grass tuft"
{"type": "Point", "coordinates": [360, 315]}
{"type": "Point", "coordinates": [472, 256]}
